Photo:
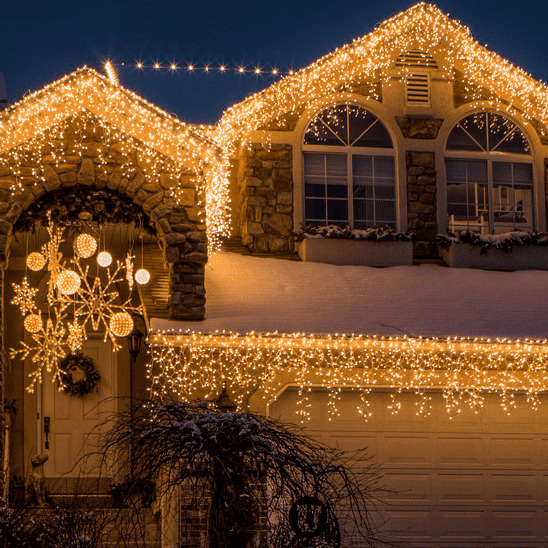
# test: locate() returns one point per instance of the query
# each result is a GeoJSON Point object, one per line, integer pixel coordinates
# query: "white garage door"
{"type": "Point", "coordinates": [476, 480]}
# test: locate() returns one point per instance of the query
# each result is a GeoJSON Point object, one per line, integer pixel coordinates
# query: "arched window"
{"type": "Point", "coordinates": [489, 175]}
{"type": "Point", "coordinates": [349, 175]}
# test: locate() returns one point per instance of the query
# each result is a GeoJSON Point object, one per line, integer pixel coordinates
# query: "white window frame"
{"type": "Point", "coordinates": [350, 151]}
{"type": "Point", "coordinates": [491, 157]}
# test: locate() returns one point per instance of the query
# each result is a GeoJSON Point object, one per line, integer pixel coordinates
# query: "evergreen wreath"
{"type": "Point", "coordinates": [87, 365]}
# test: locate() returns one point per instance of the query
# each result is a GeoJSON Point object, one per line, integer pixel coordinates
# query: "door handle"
{"type": "Point", "coordinates": [47, 424]}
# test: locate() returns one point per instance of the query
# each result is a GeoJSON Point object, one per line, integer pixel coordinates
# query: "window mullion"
{"type": "Point", "coordinates": [490, 197]}
{"type": "Point", "coordinates": [326, 209]}
{"type": "Point", "coordinates": [350, 188]}
{"type": "Point", "coordinates": [374, 196]}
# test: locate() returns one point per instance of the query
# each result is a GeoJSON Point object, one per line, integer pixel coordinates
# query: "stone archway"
{"type": "Point", "coordinates": [117, 167]}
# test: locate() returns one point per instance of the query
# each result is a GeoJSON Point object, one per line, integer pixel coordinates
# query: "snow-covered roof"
{"type": "Point", "coordinates": [422, 27]}
{"type": "Point", "coordinates": [265, 295]}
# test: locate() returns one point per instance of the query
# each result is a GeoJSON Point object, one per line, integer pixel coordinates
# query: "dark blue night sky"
{"type": "Point", "coordinates": [41, 41]}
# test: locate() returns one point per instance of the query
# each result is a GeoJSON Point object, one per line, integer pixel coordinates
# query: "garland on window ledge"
{"type": "Point", "coordinates": [374, 234]}
{"type": "Point", "coordinates": [505, 241]}
{"type": "Point", "coordinates": [68, 365]}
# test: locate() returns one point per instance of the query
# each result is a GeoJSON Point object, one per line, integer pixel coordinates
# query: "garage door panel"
{"type": "Point", "coordinates": [404, 450]}
{"type": "Point", "coordinates": [356, 442]}
{"type": "Point", "coordinates": [457, 451]}
{"type": "Point", "coordinates": [462, 525]}
{"type": "Point", "coordinates": [461, 487]}
{"type": "Point", "coordinates": [514, 488]}
{"type": "Point", "coordinates": [406, 524]}
{"type": "Point", "coordinates": [408, 487]}
{"type": "Point", "coordinates": [513, 524]}
{"type": "Point", "coordinates": [513, 451]}
{"type": "Point", "coordinates": [543, 452]}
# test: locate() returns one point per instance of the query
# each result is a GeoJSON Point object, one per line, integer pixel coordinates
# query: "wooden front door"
{"type": "Point", "coordinates": [76, 422]}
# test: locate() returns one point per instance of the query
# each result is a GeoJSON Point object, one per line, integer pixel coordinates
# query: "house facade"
{"type": "Point", "coordinates": [440, 372]}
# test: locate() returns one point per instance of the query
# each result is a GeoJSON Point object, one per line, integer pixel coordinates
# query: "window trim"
{"type": "Point", "coordinates": [350, 151]}
{"type": "Point", "coordinates": [490, 157]}
{"type": "Point", "coordinates": [384, 114]}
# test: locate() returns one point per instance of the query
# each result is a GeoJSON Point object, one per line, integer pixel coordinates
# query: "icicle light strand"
{"type": "Point", "coordinates": [194, 365]}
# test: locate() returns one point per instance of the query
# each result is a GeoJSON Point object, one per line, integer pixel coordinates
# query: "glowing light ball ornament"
{"type": "Point", "coordinates": [142, 276]}
{"type": "Point", "coordinates": [36, 261]}
{"type": "Point", "coordinates": [68, 282]}
{"type": "Point", "coordinates": [33, 323]}
{"type": "Point", "coordinates": [85, 245]}
{"type": "Point", "coordinates": [104, 259]}
{"type": "Point", "coordinates": [121, 324]}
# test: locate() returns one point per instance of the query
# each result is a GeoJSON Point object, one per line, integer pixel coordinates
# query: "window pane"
{"type": "Point", "coordinates": [363, 191]}
{"type": "Point", "coordinates": [363, 212]}
{"type": "Point", "coordinates": [460, 140]}
{"type": "Point", "coordinates": [337, 210]}
{"type": "Point", "coordinates": [502, 172]}
{"type": "Point", "coordinates": [337, 190]}
{"type": "Point", "coordinates": [316, 191]}
{"type": "Point", "coordinates": [362, 166]}
{"type": "Point", "coordinates": [384, 166]}
{"type": "Point", "coordinates": [455, 170]}
{"type": "Point", "coordinates": [315, 210]}
{"type": "Point", "coordinates": [385, 190]}
{"type": "Point", "coordinates": [476, 171]}
{"type": "Point", "coordinates": [336, 165]}
{"type": "Point", "coordinates": [375, 137]}
{"type": "Point", "coordinates": [336, 119]}
{"type": "Point", "coordinates": [385, 211]}
{"type": "Point", "coordinates": [318, 133]}
{"type": "Point", "coordinates": [505, 136]}
{"type": "Point", "coordinates": [523, 173]}
{"type": "Point", "coordinates": [314, 164]}
{"type": "Point", "coordinates": [345, 125]}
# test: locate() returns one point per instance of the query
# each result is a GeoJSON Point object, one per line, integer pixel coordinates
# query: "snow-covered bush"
{"type": "Point", "coordinates": [377, 234]}
{"type": "Point", "coordinates": [505, 241]}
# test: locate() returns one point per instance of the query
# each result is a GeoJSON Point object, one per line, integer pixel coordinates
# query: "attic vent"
{"type": "Point", "coordinates": [416, 58]}
{"type": "Point", "coordinates": [417, 89]}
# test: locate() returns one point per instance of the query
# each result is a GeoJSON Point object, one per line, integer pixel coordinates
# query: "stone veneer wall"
{"type": "Point", "coordinates": [265, 175]}
{"type": "Point", "coordinates": [180, 227]}
{"type": "Point", "coordinates": [421, 202]}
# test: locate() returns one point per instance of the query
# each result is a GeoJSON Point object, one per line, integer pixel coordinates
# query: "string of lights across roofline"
{"type": "Point", "coordinates": [26, 125]}
{"type": "Point", "coordinates": [190, 365]}
{"type": "Point", "coordinates": [248, 69]}
{"type": "Point", "coordinates": [371, 58]}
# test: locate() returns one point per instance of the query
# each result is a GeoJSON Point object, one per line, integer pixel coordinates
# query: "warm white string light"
{"type": "Point", "coordinates": [191, 365]}
{"type": "Point", "coordinates": [248, 69]}
{"type": "Point", "coordinates": [90, 100]}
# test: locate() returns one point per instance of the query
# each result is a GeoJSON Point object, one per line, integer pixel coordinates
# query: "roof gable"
{"type": "Point", "coordinates": [87, 90]}
{"type": "Point", "coordinates": [422, 27]}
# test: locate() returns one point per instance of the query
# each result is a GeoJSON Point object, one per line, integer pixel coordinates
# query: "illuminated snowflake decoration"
{"type": "Point", "coordinates": [96, 301]}
{"type": "Point", "coordinates": [49, 346]}
{"type": "Point", "coordinates": [91, 307]}
{"type": "Point", "coordinates": [24, 296]}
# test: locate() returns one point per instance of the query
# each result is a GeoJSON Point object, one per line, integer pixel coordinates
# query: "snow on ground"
{"type": "Point", "coordinates": [247, 293]}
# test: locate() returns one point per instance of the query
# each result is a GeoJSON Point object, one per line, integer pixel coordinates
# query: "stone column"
{"type": "Point", "coordinates": [266, 187]}
{"type": "Point", "coordinates": [421, 202]}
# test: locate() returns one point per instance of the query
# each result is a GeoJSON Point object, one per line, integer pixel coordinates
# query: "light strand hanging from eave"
{"type": "Point", "coordinates": [193, 365]}
{"type": "Point", "coordinates": [370, 59]}
{"type": "Point", "coordinates": [25, 125]}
